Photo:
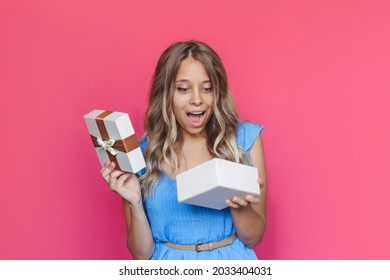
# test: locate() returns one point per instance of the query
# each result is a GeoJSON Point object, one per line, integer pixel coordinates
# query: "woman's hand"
{"type": "Point", "coordinates": [238, 202]}
{"type": "Point", "coordinates": [139, 235]}
{"type": "Point", "coordinates": [125, 184]}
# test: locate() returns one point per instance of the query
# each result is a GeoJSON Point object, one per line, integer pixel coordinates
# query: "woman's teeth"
{"type": "Point", "coordinates": [196, 117]}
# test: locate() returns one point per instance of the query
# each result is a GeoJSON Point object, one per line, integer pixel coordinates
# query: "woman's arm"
{"type": "Point", "coordinates": [249, 212]}
{"type": "Point", "coordinates": [139, 235]}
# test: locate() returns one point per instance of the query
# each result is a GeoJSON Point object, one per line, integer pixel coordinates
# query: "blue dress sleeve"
{"type": "Point", "coordinates": [247, 133]}
{"type": "Point", "coordinates": [142, 144]}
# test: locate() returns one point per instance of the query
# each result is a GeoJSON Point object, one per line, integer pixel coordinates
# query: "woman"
{"type": "Point", "coordinates": [191, 118]}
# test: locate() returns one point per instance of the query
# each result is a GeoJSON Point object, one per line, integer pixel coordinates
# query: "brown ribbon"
{"type": "Point", "coordinates": [123, 145]}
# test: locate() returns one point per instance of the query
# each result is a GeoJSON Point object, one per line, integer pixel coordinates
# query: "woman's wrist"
{"type": "Point", "coordinates": [136, 206]}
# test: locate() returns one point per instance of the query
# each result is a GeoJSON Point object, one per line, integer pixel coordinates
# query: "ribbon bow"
{"type": "Point", "coordinates": [107, 145]}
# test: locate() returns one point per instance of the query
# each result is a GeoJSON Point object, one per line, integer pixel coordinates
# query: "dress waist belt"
{"type": "Point", "coordinates": [202, 246]}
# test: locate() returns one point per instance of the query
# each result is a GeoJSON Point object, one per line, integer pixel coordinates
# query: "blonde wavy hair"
{"type": "Point", "coordinates": [161, 130]}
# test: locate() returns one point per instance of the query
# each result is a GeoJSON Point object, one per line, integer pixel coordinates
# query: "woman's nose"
{"type": "Point", "coordinates": [196, 99]}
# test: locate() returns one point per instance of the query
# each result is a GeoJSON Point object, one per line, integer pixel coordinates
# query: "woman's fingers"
{"type": "Point", "coordinates": [252, 199]}
{"type": "Point", "coordinates": [120, 183]}
{"type": "Point", "coordinates": [122, 178]}
{"type": "Point", "coordinates": [231, 204]}
{"type": "Point", "coordinates": [124, 183]}
{"type": "Point", "coordinates": [106, 170]}
{"type": "Point", "coordinates": [237, 202]}
{"type": "Point", "coordinates": [114, 178]}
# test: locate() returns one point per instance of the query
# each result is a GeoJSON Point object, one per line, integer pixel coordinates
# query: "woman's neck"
{"type": "Point", "coordinates": [192, 152]}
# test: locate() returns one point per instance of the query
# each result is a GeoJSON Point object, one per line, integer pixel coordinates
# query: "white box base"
{"type": "Point", "coordinates": [210, 184]}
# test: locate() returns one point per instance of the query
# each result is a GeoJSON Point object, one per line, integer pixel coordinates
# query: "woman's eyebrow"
{"type": "Point", "coordinates": [182, 80]}
{"type": "Point", "coordinates": [186, 80]}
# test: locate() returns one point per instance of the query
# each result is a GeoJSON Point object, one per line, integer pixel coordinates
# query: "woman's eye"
{"type": "Point", "coordinates": [208, 89]}
{"type": "Point", "coordinates": [183, 89]}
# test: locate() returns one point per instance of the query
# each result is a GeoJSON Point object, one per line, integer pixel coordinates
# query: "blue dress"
{"type": "Point", "coordinates": [181, 223]}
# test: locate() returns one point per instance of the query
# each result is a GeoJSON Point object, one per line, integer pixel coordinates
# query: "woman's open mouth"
{"type": "Point", "coordinates": [196, 117]}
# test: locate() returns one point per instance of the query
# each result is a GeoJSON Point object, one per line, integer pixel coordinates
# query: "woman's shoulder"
{"type": "Point", "coordinates": [245, 126]}
{"type": "Point", "coordinates": [143, 142]}
{"type": "Point", "coordinates": [247, 132]}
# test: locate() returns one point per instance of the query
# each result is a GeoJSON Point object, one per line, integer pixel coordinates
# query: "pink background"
{"type": "Point", "coordinates": [315, 73]}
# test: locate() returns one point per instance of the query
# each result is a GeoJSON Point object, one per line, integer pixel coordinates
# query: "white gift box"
{"type": "Point", "coordinates": [211, 183]}
{"type": "Point", "coordinates": [114, 139]}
